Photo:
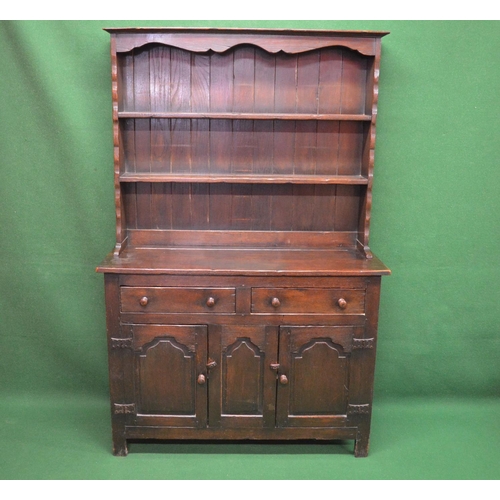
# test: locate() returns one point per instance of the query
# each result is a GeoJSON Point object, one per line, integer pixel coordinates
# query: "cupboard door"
{"type": "Point", "coordinates": [170, 374]}
{"type": "Point", "coordinates": [242, 384]}
{"type": "Point", "coordinates": [313, 377]}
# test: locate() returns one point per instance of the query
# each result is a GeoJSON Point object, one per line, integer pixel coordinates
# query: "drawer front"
{"type": "Point", "coordinates": [307, 300]}
{"type": "Point", "coordinates": [177, 300]}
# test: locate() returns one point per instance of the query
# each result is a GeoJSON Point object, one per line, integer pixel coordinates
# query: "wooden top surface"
{"type": "Point", "coordinates": [263, 31]}
{"type": "Point", "coordinates": [245, 262]}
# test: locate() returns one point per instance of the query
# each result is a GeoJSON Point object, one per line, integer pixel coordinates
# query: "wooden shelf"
{"type": "Point", "coordinates": [245, 116]}
{"type": "Point", "coordinates": [248, 262]}
{"type": "Point", "coordinates": [245, 178]}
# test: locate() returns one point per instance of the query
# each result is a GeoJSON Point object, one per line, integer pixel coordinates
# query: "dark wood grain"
{"type": "Point", "coordinates": [317, 360]}
{"type": "Point", "coordinates": [242, 178]}
{"type": "Point", "coordinates": [168, 361]}
{"type": "Point", "coordinates": [306, 300]}
{"type": "Point", "coordinates": [220, 39]}
{"type": "Point", "coordinates": [279, 206]}
{"type": "Point", "coordinates": [242, 295]}
{"type": "Point", "coordinates": [258, 116]}
{"type": "Point", "coordinates": [243, 261]}
{"type": "Point", "coordinates": [175, 299]}
{"type": "Point", "coordinates": [225, 238]}
{"type": "Point", "coordinates": [242, 384]}
{"type": "Point", "coordinates": [116, 363]}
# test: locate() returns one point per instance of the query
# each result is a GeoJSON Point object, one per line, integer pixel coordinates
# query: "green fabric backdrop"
{"type": "Point", "coordinates": [435, 219]}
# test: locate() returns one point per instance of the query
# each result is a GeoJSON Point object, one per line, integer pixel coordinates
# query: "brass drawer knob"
{"type": "Point", "coordinates": [201, 379]}
{"type": "Point", "coordinates": [283, 379]}
{"type": "Point", "coordinates": [210, 302]}
{"type": "Point", "coordinates": [143, 301]}
{"type": "Point", "coordinates": [342, 303]}
{"type": "Point", "coordinates": [275, 302]}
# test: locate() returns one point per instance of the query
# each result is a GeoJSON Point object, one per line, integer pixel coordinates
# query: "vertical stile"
{"type": "Point", "coordinates": [119, 208]}
{"type": "Point", "coordinates": [372, 81]}
{"type": "Point", "coordinates": [142, 134]}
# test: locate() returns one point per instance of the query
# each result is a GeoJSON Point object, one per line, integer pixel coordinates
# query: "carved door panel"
{"type": "Point", "coordinates": [242, 385]}
{"type": "Point", "coordinates": [170, 375]}
{"type": "Point", "coordinates": [314, 375]}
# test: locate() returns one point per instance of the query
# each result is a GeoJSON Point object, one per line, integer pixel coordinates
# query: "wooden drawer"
{"type": "Point", "coordinates": [177, 300]}
{"type": "Point", "coordinates": [308, 300]}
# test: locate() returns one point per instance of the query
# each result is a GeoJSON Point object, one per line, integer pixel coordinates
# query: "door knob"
{"type": "Point", "coordinates": [342, 303]}
{"type": "Point", "coordinates": [283, 379]}
{"type": "Point", "coordinates": [201, 379]}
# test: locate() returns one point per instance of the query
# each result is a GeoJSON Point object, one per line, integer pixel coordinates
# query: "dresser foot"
{"type": "Point", "coordinates": [120, 448]}
{"type": "Point", "coordinates": [361, 446]}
